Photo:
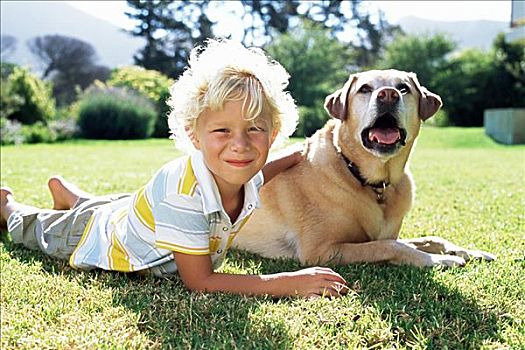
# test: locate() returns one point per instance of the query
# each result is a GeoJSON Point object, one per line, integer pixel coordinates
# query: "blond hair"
{"type": "Point", "coordinates": [224, 70]}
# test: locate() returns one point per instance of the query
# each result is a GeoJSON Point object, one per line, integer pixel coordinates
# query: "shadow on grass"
{"type": "Point", "coordinates": [417, 307]}
{"type": "Point", "coordinates": [421, 309]}
{"type": "Point", "coordinates": [169, 315]}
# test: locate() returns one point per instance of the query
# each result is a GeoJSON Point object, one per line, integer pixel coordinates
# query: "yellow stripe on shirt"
{"type": "Point", "coordinates": [142, 209]}
{"type": "Point", "coordinates": [230, 240]}
{"type": "Point", "coordinates": [82, 240]}
{"type": "Point", "coordinates": [243, 222]}
{"type": "Point", "coordinates": [215, 243]}
{"type": "Point", "coordinates": [181, 249]}
{"type": "Point", "coordinates": [233, 234]}
{"type": "Point", "coordinates": [188, 181]}
{"type": "Point", "coordinates": [118, 258]}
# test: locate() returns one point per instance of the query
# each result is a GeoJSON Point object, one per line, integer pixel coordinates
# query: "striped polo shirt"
{"type": "Point", "coordinates": [178, 210]}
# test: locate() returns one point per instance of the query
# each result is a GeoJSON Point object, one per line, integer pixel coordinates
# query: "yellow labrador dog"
{"type": "Point", "coordinates": [346, 201]}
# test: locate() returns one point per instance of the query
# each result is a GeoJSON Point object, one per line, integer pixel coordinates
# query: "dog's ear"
{"type": "Point", "coordinates": [429, 102]}
{"type": "Point", "coordinates": [336, 103]}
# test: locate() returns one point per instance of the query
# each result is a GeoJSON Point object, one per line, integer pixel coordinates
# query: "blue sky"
{"type": "Point", "coordinates": [113, 11]}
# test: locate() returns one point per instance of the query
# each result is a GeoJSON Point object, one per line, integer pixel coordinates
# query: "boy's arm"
{"type": "Point", "coordinates": [271, 169]}
{"type": "Point", "coordinates": [197, 274]}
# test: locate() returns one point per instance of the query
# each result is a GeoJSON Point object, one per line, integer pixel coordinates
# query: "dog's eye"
{"type": "Point", "coordinates": [365, 89]}
{"type": "Point", "coordinates": [403, 88]}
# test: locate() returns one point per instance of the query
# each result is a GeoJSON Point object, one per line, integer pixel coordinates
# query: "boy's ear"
{"type": "Point", "coordinates": [275, 132]}
{"type": "Point", "coordinates": [196, 143]}
{"type": "Point", "coordinates": [193, 138]}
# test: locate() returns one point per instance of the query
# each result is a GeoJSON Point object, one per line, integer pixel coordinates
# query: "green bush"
{"type": "Point", "coordinates": [38, 133]}
{"type": "Point", "coordinates": [150, 83]}
{"type": "Point", "coordinates": [9, 103]}
{"type": "Point", "coordinates": [6, 68]}
{"type": "Point", "coordinates": [13, 132]}
{"type": "Point", "coordinates": [317, 64]}
{"type": "Point", "coordinates": [439, 119]}
{"type": "Point", "coordinates": [115, 114]}
{"type": "Point", "coordinates": [161, 124]}
{"type": "Point", "coordinates": [10, 132]}
{"type": "Point", "coordinates": [26, 98]}
{"type": "Point", "coordinates": [469, 81]}
{"type": "Point", "coordinates": [311, 119]}
{"type": "Point", "coordinates": [63, 129]}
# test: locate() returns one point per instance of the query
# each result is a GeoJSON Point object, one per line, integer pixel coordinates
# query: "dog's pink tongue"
{"type": "Point", "coordinates": [385, 136]}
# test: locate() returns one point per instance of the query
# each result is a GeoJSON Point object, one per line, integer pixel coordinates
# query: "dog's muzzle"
{"type": "Point", "coordinates": [385, 135]}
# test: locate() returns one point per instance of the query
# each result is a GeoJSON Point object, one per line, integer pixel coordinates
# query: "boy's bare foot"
{"type": "Point", "coordinates": [65, 194]}
{"type": "Point", "coordinates": [6, 199]}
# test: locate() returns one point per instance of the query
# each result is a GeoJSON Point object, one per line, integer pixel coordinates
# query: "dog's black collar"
{"type": "Point", "coordinates": [378, 187]}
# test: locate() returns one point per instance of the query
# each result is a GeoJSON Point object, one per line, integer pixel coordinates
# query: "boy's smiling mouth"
{"type": "Point", "coordinates": [239, 163]}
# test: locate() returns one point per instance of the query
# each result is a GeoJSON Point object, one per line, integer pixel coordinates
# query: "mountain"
{"type": "Point", "coordinates": [29, 19]}
{"type": "Point", "coordinates": [479, 34]}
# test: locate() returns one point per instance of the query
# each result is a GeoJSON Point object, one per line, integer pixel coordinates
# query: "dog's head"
{"type": "Point", "coordinates": [383, 108]}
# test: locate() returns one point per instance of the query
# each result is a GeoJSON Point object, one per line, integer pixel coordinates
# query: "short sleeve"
{"type": "Point", "coordinates": [181, 226]}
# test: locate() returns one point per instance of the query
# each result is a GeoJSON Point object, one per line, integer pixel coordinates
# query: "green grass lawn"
{"type": "Point", "coordinates": [470, 191]}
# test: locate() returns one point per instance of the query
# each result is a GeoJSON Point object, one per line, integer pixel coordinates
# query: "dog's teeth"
{"type": "Point", "coordinates": [372, 137]}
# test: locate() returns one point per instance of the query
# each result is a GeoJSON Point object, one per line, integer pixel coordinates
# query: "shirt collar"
{"type": "Point", "coordinates": [211, 198]}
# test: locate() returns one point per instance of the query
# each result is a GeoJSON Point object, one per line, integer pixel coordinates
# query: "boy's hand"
{"type": "Point", "coordinates": [197, 274]}
{"type": "Point", "coordinates": [313, 282]}
{"type": "Point", "coordinates": [274, 167]}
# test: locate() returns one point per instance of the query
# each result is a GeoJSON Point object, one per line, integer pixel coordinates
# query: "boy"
{"type": "Point", "coordinates": [228, 108]}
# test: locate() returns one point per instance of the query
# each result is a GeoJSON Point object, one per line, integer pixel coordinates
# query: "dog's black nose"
{"type": "Point", "coordinates": [388, 95]}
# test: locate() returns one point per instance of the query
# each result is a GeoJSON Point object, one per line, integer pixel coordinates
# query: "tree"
{"type": "Point", "coordinates": [268, 19]}
{"type": "Point", "coordinates": [317, 64]}
{"type": "Point", "coordinates": [508, 78]}
{"type": "Point", "coordinates": [372, 38]}
{"type": "Point", "coordinates": [60, 53]}
{"type": "Point", "coordinates": [8, 45]}
{"type": "Point", "coordinates": [172, 28]}
{"type": "Point", "coordinates": [463, 84]}
{"type": "Point", "coordinates": [460, 78]}
{"type": "Point", "coordinates": [469, 81]}
{"type": "Point", "coordinates": [262, 19]}
{"type": "Point", "coordinates": [477, 80]}
{"type": "Point", "coordinates": [424, 55]}
{"type": "Point", "coordinates": [69, 83]}
{"type": "Point", "coordinates": [69, 63]}
{"type": "Point", "coordinates": [6, 69]}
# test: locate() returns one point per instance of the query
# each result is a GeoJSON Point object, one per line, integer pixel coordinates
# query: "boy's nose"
{"type": "Point", "coordinates": [240, 143]}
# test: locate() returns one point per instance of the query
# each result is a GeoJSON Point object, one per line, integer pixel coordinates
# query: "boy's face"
{"type": "Point", "coordinates": [234, 148]}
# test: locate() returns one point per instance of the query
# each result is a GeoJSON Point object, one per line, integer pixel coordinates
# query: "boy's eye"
{"type": "Point", "coordinates": [220, 130]}
{"type": "Point", "coordinates": [256, 128]}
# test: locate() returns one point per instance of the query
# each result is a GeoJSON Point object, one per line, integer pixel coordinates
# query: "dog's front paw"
{"type": "Point", "coordinates": [447, 260]}
{"type": "Point", "coordinates": [468, 254]}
